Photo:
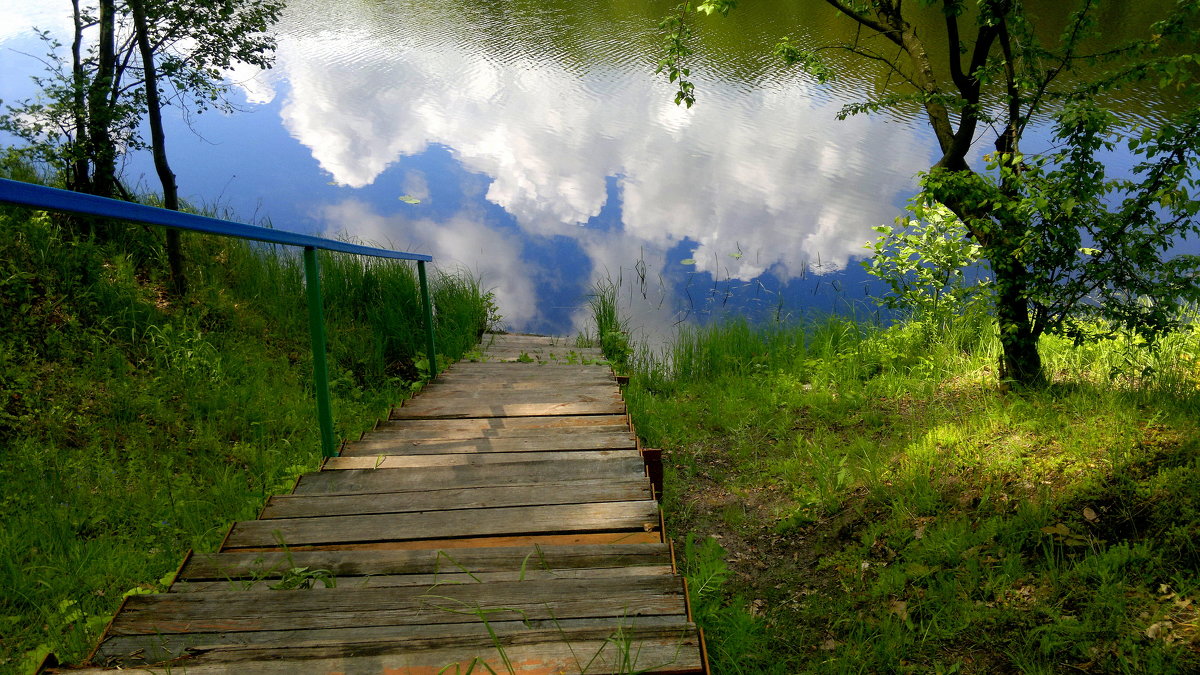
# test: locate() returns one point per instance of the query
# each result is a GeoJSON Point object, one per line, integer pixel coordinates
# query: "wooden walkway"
{"type": "Point", "coordinates": [501, 517]}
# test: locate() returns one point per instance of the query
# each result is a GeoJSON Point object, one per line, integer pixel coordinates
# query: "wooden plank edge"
{"type": "Point", "coordinates": [597, 530]}
{"type": "Point", "coordinates": [472, 415]}
{"type": "Point", "coordinates": [229, 531]}
{"type": "Point", "coordinates": [187, 557]}
{"type": "Point", "coordinates": [704, 667]}
{"type": "Point", "coordinates": [104, 635]}
{"type": "Point", "coordinates": [634, 537]}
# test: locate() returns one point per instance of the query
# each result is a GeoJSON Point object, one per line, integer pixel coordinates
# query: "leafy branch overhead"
{"type": "Point", "coordinates": [94, 92]}
{"type": "Point", "coordinates": [1067, 243]}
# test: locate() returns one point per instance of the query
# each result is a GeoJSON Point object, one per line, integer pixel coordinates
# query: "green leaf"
{"type": "Point", "coordinates": [688, 261]}
{"type": "Point", "coordinates": [409, 199]}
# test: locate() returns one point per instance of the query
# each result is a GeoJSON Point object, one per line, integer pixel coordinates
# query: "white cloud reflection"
{"type": "Point", "coordinates": [463, 241]}
{"type": "Point", "coordinates": [770, 173]}
{"type": "Point", "coordinates": [767, 173]}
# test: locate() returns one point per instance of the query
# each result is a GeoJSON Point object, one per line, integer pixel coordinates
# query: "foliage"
{"type": "Point", "coordinates": [880, 509]}
{"type": "Point", "coordinates": [93, 97]}
{"type": "Point", "coordinates": [1065, 242]}
{"type": "Point", "coordinates": [925, 262]}
{"type": "Point", "coordinates": [136, 426]}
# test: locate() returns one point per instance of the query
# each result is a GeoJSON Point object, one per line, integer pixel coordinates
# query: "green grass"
{"type": "Point", "coordinates": [611, 335]}
{"type": "Point", "coordinates": [868, 500]}
{"type": "Point", "coordinates": [135, 426]}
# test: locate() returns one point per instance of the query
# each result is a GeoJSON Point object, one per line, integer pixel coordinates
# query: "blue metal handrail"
{"type": "Point", "coordinates": [53, 199]}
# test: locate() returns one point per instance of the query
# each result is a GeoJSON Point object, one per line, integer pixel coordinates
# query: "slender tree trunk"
{"type": "Point", "coordinates": [79, 174]}
{"type": "Point", "coordinates": [158, 145]}
{"type": "Point", "coordinates": [102, 149]}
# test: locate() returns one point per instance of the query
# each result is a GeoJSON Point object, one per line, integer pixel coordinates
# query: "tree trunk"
{"type": "Point", "coordinates": [1020, 362]}
{"type": "Point", "coordinates": [79, 174]}
{"type": "Point", "coordinates": [158, 146]}
{"type": "Point", "coordinates": [102, 149]}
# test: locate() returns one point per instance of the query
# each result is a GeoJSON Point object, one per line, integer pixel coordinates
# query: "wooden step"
{"type": "Point", "coordinates": [574, 492]}
{"type": "Point", "coordinates": [638, 516]}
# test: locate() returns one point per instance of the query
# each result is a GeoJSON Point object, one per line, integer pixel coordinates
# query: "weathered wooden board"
{"type": "Point", "coordinates": [387, 434]}
{"type": "Point", "coordinates": [426, 580]}
{"type": "Point", "coordinates": [382, 446]}
{"type": "Point", "coordinates": [136, 649]}
{"type": "Point", "coordinates": [493, 338]}
{"type": "Point", "coordinates": [575, 492]}
{"type": "Point", "coordinates": [547, 356]}
{"type": "Point", "coordinates": [454, 459]}
{"type": "Point", "coordinates": [503, 521]}
{"type": "Point", "coordinates": [550, 651]}
{"type": "Point", "coordinates": [491, 398]}
{"type": "Point", "coordinates": [501, 425]}
{"type": "Point", "coordinates": [543, 376]}
{"type": "Point", "coordinates": [234, 565]}
{"type": "Point", "coordinates": [517, 395]}
{"type": "Point", "coordinates": [453, 409]}
{"type": "Point", "coordinates": [594, 538]}
{"type": "Point", "coordinates": [399, 606]}
{"type": "Point", "coordinates": [531, 472]}
{"type": "Point", "coordinates": [517, 370]}
{"type": "Point", "coordinates": [470, 383]}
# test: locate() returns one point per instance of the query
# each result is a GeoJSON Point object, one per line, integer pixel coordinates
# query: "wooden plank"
{"type": "Point", "coordinates": [375, 446]}
{"type": "Point", "coordinates": [520, 369]}
{"type": "Point", "coordinates": [139, 649]}
{"type": "Point", "coordinates": [576, 492]}
{"type": "Point", "coordinates": [546, 395]}
{"type": "Point", "coordinates": [503, 521]}
{"type": "Point", "coordinates": [388, 433]}
{"type": "Point", "coordinates": [599, 538]}
{"type": "Point", "coordinates": [501, 425]}
{"type": "Point", "coordinates": [202, 566]}
{"type": "Point", "coordinates": [549, 356]}
{"type": "Point", "coordinates": [468, 392]}
{"type": "Point", "coordinates": [468, 383]}
{"type": "Point", "coordinates": [426, 580]}
{"type": "Point", "coordinates": [342, 607]}
{"type": "Point", "coordinates": [530, 472]}
{"type": "Point", "coordinates": [443, 459]}
{"type": "Point", "coordinates": [550, 651]}
{"type": "Point", "coordinates": [489, 338]}
{"type": "Point", "coordinates": [552, 375]}
{"type": "Point", "coordinates": [445, 410]}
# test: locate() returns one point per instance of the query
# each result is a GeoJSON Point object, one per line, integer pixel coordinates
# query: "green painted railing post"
{"type": "Point", "coordinates": [316, 330]}
{"type": "Point", "coordinates": [430, 344]}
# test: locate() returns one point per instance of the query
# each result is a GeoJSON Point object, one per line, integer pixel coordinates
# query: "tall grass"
{"type": "Point", "coordinates": [135, 426]}
{"type": "Point", "coordinates": [884, 507]}
{"type": "Point", "coordinates": [611, 334]}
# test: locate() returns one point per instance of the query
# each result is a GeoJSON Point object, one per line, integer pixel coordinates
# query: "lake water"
{"type": "Point", "coordinates": [545, 155]}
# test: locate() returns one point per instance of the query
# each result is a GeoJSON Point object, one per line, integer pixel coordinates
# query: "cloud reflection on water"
{"type": "Point", "coordinates": [770, 174]}
{"type": "Point", "coordinates": [754, 184]}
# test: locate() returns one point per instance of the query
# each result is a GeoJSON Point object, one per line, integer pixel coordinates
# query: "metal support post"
{"type": "Point", "coordinates": [431, 345]}
{"type": "Point", "coordinates": [316, 330]}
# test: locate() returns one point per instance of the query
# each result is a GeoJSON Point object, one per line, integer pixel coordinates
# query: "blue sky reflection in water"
{"type": "Point", "coordinates": [544, 169]}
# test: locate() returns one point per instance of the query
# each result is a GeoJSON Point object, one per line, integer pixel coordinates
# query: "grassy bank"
{"type": "Point", "coordinates": [135, 426]}
{"type": "Point", "coordinates": [856, 499]}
